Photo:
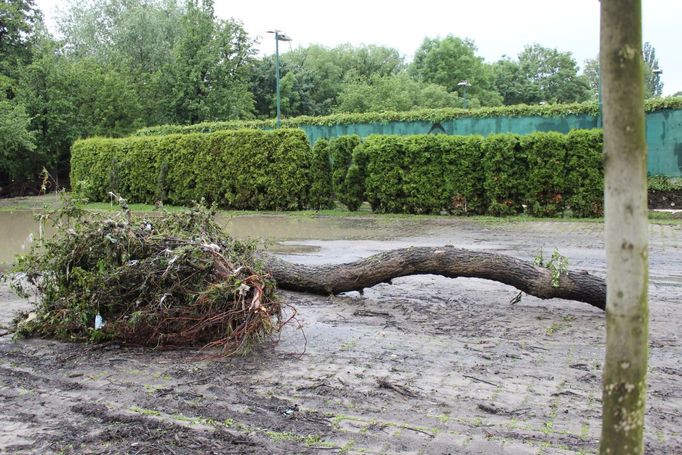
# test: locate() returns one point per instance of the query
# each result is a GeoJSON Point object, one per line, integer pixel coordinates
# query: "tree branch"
{"type": "Point", "coordinates": [446, 261]}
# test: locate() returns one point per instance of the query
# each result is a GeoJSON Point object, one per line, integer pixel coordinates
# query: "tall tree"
{"type": "Point", "coordinates": [653, 83]}
{"type": "Point", "coordinates": [209, 76]}
{"type": "Point", "coordinates": [314, 76]}
{"type": "Point", "coordinates": [185, 64]}
{"type": "Point", "coordinates": [652, 73]}
{"type": "Point", "coordinates": [139, 34]}
{"type": "Point", "coordinates": [393, 93]}
{"type": "Point", "coordinates": [592, 76]}
{"type": "Point", "coordinates": [19, 159]}
{"type": "Point", "coordinates": [450, 60]}
{"type": "Point", "coordinates": [550, 75]}
{"type": "Point", "coordinates": [625, 157]}
{"type": "Point", "coordinates": [18, 20]}
{"type": "Point", "coordinates": [72, 98]}
{"type": "Point", "coordinates": [510, 83]}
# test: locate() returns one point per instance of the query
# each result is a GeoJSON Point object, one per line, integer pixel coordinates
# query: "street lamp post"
{"type": "Point", "coordinates": [464, 84]}
{"type": "Point", "coordinates": [279, 36]}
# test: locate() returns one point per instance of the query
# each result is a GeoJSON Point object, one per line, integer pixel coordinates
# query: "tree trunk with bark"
{"type": "Point", "coordinates": [624, 381]}
{"type": "Point", "coordinates": [446, 261]}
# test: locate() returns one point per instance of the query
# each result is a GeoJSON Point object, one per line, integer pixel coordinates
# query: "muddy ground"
{"type": "Point", "coordinates": [425, 365]}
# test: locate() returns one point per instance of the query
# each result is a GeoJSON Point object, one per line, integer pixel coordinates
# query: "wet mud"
{"type": "Point", "coordinates": [425, 365]}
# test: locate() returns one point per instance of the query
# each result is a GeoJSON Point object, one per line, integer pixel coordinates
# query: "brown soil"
{"type": "Point", "coordinates": [425, 365]}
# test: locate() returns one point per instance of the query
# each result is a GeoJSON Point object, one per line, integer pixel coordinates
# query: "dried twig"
{"type": "Point", "coordinates": [401, 389]}
{"type": "Point", "coordinates": [480, 380]}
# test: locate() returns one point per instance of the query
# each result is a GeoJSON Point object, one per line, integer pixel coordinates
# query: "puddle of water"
{"type": "Point", "coordinates": [19, 227]}
{"type": "Point", "coordinates": [17, 230]}
{"type": "Point", "coordinates": [307, 239]}
{"type": "Point", "coordinates": [293, 248]}
{"type": "Point", "coordinates": [278, 228]}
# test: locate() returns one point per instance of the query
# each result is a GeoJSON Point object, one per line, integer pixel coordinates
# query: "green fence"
{"type": "Point", "coordinates": [664, 132]}
{"type": "Point", "coordinates": [664, 138]}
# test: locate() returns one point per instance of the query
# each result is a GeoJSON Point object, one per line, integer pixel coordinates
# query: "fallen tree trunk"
{"type": "Point", "coordinates": [446, 261]}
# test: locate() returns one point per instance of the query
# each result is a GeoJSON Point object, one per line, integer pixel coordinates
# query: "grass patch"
{"type": "Point", "coordinates": [340, 211]}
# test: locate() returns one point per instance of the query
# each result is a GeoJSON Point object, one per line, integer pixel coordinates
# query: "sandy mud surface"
{"type": "Point", "coordinates": [426, 365]}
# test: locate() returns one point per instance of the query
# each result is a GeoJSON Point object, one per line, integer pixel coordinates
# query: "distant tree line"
{"type": "Point", "coordinates": [119, 65]}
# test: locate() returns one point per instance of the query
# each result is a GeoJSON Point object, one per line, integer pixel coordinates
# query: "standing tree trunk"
{"type": "Point", "coordinates": [624, 381]}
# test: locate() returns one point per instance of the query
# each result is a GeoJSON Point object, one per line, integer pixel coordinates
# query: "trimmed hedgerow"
{"type": "Point", "coordinates": [466, 177]}
{"type": "Point", "coordinates": [505, 170]}
{"type": "Point", "coordinates": [341, 153]}
{"type": "Point", "coordinates": [353, 193]}
{"type": "Point", "coordinates": [542, 174]}
{"type": "Point", "coordinates": [430, 115]}
{"type": "Point", "coordinates": [585, 173]}
{"type": "Point", "coordinates": [424, 173]}
{"type": "Point", "coordinates": [546, 157]}
{"type": "Point", "coordinates": [321, 188]}
{"type": "Point", "coordinates": [243, 169]}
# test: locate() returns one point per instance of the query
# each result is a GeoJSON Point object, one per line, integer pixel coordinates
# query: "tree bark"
{"type": "Point", "coordinates": [625, 365]}
{"type": "Point", "coordinates": [446, 261]}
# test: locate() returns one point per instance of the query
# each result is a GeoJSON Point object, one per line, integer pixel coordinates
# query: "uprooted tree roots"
{"type": "Point", "coordinates": [165, 281]}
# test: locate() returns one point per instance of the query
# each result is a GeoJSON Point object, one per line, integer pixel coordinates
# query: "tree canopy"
{"type": "Point", "coordinates": [451, 60]}
{"type": "Point", "coordinates": [393, 93]}
{"type": "Point", "coordinates": [118, 65]}
{"type": "Point", "coordinates": [540, 74]}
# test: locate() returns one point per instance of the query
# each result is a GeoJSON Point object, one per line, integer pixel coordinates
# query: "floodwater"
{"type": "Point", "coordinates": [280, 234]}
{"type": "Point", "coordinates": [291, 236]}
{"type": "Point", "coordinates": [17, 231]}
{"type": "Point", "coordinates": [325, 239]}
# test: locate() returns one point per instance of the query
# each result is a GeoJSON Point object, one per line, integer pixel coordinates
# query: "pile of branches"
{"type": "Point", "coordinates": [164, 281]}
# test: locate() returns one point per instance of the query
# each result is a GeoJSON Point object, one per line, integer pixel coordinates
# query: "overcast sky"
{"type": "Point", "coordinates": [498, 27]}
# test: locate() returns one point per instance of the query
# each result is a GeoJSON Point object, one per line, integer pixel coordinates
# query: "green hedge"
{"type": "Point", "coordinates": [542, 174]}
{"type": "Point", "coordinates": [321, 189]}
{"type": "Point", "coordinates": [424, 174]}
{"type": "Point", "coordinates": [546, 170]}
{"type": "Point", "coordinates": [430, 115]}
{"type": "Point", "coordinates": [243, 169]}
{"type": "Point", "coordinates": [341, 154]}
{"type": "Point", "coordinates": [353, 194]}
{"type": "Point", "coordinates": [505, 169]}
{"type": "Point", "coordinates": [585, 173]}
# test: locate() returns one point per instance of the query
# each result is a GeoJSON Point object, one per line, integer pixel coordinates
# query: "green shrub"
{"type": "Point", "coordinates": [341, 154]}
{"type": "Point", "coordinates": [584, 173]}
{"type": "Point", "coordinates": [243, 169]}
{"type": "Point", "coordinates": [664, 184]}
{"type": "Point", "coordinates": [546, 157]}
{"type": "Point", "coordinates": [547, 173]}
{"type": "Point", "coordinates": [423, 173]}
{"type": "Point", "coordinates": [542, 174]}
{"type": "Point", "coordinates": [321, 189]}
{"type": "Point", "coordinates": [505, 167]}
{"type": "Point", "coordinates": [354, 185]}
{"type": "Point", "coordinates": [465, 175]}
{"type": "Point", "coordinates": [384, 179]}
